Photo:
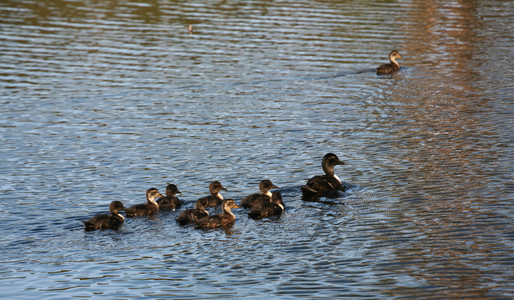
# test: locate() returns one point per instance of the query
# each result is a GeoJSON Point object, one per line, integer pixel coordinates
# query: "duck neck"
{"type": "Point", "coordinates": [394, 63]}
{"type": "Point", "coordinates": [151, 201]}
{"type": "Point", "coordinates": [227, 211]}
{"type": "Point", "coordinates": [219, 196]}
{"type": "Point", "coordinates": [330, 172]}
{"type": "Point", "coordinates": [118, 216]}
{"type": "Point", "coordinates": [268, 193]}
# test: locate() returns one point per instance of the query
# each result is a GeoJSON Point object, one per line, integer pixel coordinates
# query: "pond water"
{"type": "Point", "coordinates": [104, 99]}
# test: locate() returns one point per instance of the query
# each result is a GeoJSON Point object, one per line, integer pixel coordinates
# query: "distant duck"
{"type": "Point", "coordinates": [267, 209]}
{"type": "Point", "coordinates": [170, 201]}
{"type": "Point", "coordinates": [215, 198]}
{"type": "Point", "coordinates": [112, 221]}
{"type": "Point", "coordinates": [391, 67]}
{"type": "Point", "coordinates": [148, 208]}
{"type": "Point", "coordinates": [192, 215]}
{"type": "Point", "coordinates": [322, 185]}
{"type": "Point", "coordinates": [225, 219]}
{"type": "Point", "coordinates": [265, 195]}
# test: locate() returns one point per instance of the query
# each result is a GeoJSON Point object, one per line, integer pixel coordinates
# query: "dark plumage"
{"type": "Point", "coordinates": [170, 201]}
{"type": "Point", "coordinates": [112, 221]}
{"type": "Point", "coordinates": [267, 209]}
{"type": "Point", "coordinates": [215, 198]}
{"type": "Point", "coordinates": [147, 209]}
{"type": "Point", "coordinates": [323, 185]}
{"type": "Point", "coordinates": [192, 215]}
{"type": "Point", "coordinates": [265, 195]}
{"type": "Point", "coordinates": [391, 67]}
{"type": "Point", "coordinates": [225, 219]}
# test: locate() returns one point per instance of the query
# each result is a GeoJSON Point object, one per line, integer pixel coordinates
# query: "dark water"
{"type": "Point", "coordinates": [101, 100]}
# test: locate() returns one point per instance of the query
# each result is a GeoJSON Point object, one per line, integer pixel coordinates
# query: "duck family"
{"type": "Point", "coordinates": [264, 204]}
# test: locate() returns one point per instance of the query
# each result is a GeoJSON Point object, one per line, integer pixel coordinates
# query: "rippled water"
{"type": "Point", "coordinates": [104, 99]}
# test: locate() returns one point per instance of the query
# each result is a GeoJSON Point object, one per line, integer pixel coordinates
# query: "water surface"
{"type": "Point", "coordinates": [102, 100]}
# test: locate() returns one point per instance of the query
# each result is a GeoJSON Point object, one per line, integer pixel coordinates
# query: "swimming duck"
{"type": "Point", "coordinates": [391, 67]}
{"type": "Point", "coordinates": [112, 221]}
{"type": "Point", "coordinates": [192, 215]}
{"type": "Point", "coordinates": [267, 209]}
{"type": "Point", "coordinates": [321, 185]}
{"type": "Point", "coordinates": [226, 218]}
{"type": "Point", "coordinates": [149, 208]}
{"type": "Point", "coordinates": [170, 201]}
{"type": "Point", "coordinates": [265, 196]}
{"type": "Point", "coordinates": [215, 198]}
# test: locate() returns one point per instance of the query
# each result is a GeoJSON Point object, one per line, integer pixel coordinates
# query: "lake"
{"type": "Point", "coordinates": [102, 100]}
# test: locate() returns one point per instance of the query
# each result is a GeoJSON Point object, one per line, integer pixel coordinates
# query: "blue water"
{"type": "Point", "coordinates": [100, 101]}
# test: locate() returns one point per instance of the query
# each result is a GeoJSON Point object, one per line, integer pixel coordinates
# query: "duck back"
{"type": "Point", "coordinates": [169, 202]}
{"type": "Point", "coordinates": [192, 215]}
{"type": "Point", "coordinates": [103, 222]}
{"type": "Point", "coordinates": [210, 201]}
{"type": "Point", "coordinates": [319, 186]}
{"type": "Point", "coordinates": [387, 69]}
{"type": "Point", "coordinates": [146, 209]}
{"type": "Point", "coordinates": [254, 200]}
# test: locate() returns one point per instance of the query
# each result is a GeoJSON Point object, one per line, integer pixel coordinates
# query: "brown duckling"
{"type": "Point", "coordinates": [215, 198]}
{"type": "Point", "coordinates": [170, 201]}
{"type": "Point", "coordinates": [112, 221]}
{"type": "Point", "coordinates": [391, 67]}
{"type": "Point", "coordinates": [192, 215]}
{"type": "Point", "coordinates": [265, 195]}
{"type": "Point", "coordinates": [266, 209]}
{"type": "Point", "coordinates": [319, 186]}
{"type": "Point", "coordinates": [225, 219]}
{"type": "Point", "coordinates": [147, 209]}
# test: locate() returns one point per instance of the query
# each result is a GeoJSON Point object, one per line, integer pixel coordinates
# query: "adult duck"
{"type": "Point", "coordinates": [326, 184]}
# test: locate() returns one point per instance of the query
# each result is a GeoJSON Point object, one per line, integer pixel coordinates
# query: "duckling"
{"type": "Point", "coordinates": [148, 208]}
{"type": "Point", "coordinates": [321, 185]}
{"type": "Point", "coordinates": [266, 209]}
{"type": "Point", "coordinates": [112, 221]}
{"type": "Point", "coordinates": [170, 201]}
{"type": "Point", "coordinates": [392, 67]}
{"type": "Point", "coordinates": [265, 196]}
{"type": "Point", "coordinates": [192, 215]}
{"type": "Point", "coordinates": [226, 218]}
{"type": "Point", "coordinates": [215, 198]}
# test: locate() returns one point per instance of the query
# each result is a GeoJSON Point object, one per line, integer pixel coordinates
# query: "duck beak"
{"type": "Point", "coordinates": [399, 55]}
{"type": "Point", "coordinates": [341, 163]}
{"type": "Point", "coordinates": [160, 195]}
{"type": "Point", "coordinates": [179, 192]}
{"type": "Point", "coordinates": [223, 188]}
{"type": "Point", "coordinates": [275, 187]}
